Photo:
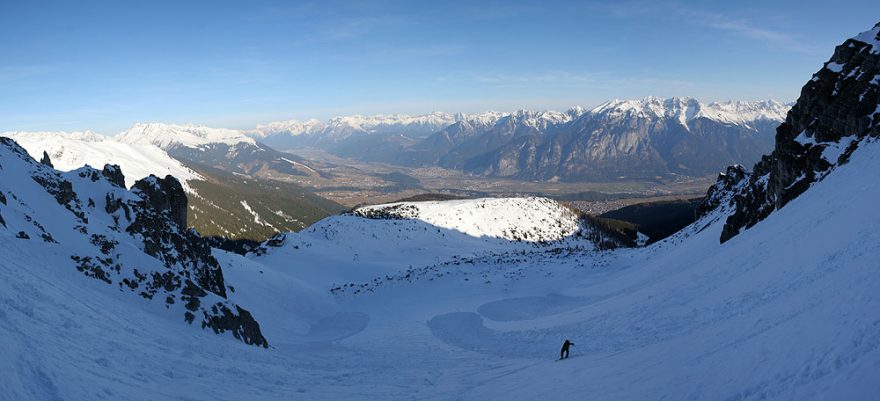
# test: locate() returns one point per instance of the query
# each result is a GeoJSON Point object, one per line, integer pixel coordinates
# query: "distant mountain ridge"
{"type": "Point", "coordinates": [732, 112]}
{"type": "Point", "coordinates": [169, 136]}
{"type": "Point", "coordinates": [72, 150]}
{"type": "Point", "coordinates": [641, 139]}
{"type": "Point", "coordinates": [216, 168]}
{"type": "Point", "coordinates": [649, 138]}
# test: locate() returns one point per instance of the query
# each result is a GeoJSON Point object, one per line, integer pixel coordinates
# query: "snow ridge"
{"type": "Point", "coordinates": [530, 219]}
{"type": "Point", "coordinates": [167, 136]}
{"type": "Point", "coordinates": [72, 150]}
{"type": "Point", "coordinates": [684, 109]}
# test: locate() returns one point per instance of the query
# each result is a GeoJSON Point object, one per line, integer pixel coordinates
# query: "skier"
{"type": "Point", "coordinates": [564, 352]}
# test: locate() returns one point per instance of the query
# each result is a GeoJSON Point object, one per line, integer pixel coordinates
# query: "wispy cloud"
{"type": "Point", "coordinates": [566, 79]}
{"type": "Point", "coordinates": [746, 28]}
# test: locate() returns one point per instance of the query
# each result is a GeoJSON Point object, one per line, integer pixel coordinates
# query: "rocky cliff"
{"type": "Point", "coordinates": [836, 112]}
{"type": "Point", "coordinates": [135, 241]}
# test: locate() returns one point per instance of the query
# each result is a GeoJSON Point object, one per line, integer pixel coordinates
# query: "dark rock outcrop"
{"type": "Point", "coordinates": [2, 201]}
{"type": "Point", "coordinates": [46, 160]}
{"type": "Point", "coordinates": [276, 241]}
{"type": "Point", "coordinates": [165, 194]}
{"type": "Point", "coordinates": [63, 192]}
{"type": "Point", "coordinates": [176, 263]}
{"type": "Point", "coordinates": [113, 173]}
{"type": "Point", "coordinates": [725, 185]}
{"type": "Point", "coordinates": [240, 323]}
{"type": "Point", "coordinates": [160, 221]}
{"type": "Point", "coordinates": [837, 109]}
{"type": "Point", "coordinates": [164, 200]}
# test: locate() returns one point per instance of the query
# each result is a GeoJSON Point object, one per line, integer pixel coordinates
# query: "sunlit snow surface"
{"type": "Point", "coordinates": [683, 109]}
{"type": "Point", "coordinates": [70, 151]}
{"type": "Point", "coordinates": [787, 310]}
{"type": "Point", "coordinates": [167, 136]}
{"type": "Point", "coordinates": [686, 109]}
{"type": "Point", "coordinates": [536, 219]}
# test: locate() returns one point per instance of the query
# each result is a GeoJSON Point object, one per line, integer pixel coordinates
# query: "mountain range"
{"type": "Point", "coordinates": [218, 169]}
{"type": "Point", "coordinates": [770, 294]}
{"type": "Point", "coordinates": [642, 139]}
{"type": "Point", "coordinates": [635, 139]}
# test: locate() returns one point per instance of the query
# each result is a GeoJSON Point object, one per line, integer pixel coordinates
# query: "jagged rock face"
{"type": "Point", "coordinates": [173, 245]}
{"type": "Point", "coordinates": [113, 173]}
{"type": "Point", "coordinates": [46, 160]}
{"type": "Point", "coordinates": [136, 241]}
{"type": "Point", "coordinates": [165, 194]}
{"type": "Point", "coordinates": [837, 109]}
{"type": "Point", "coordinates": [727, 183]}
{"type": "Point", "coordinates": [62, 190]}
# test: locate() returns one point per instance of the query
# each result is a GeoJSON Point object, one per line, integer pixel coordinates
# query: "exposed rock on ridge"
{"type": "Point", "coordinates": [175, 267]}
{"type": "Point", "coordinates": [836, 111]}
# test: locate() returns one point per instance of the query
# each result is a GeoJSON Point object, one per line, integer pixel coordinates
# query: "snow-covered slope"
{"type": "Point", "coordinates": [783, 311]}
{"type": "Point", "coordinates": [69, 151]}
{"type": "Point", "coordinates": [838, 109]}
{"type": "Point", "coordinates": [215, 196]}
{"type": "Point", "coordinates": [529, 219]}
{"type": "Point", "coordinates": [393, 238]}
{"type": "Point", "coordinates": [396, 308]}
{"type": "Point", "coordinates": [134, 243]}
{"type": "Point", "coordinates": [167, 136]}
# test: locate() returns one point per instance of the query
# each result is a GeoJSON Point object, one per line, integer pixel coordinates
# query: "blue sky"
{"type": "Point", "coordinates": [78, 65]}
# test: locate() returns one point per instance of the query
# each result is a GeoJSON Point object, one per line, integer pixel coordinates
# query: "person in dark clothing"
{"type": "Point", "coordinates": [564, 352]}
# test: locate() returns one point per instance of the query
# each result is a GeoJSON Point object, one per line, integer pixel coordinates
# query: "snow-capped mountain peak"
{"type": "Point", "coordinates": [291, 127]}
{"type": "Point", "coordinates": [371, 122]}
{"type": "Point", "coordinates": [344, 126]}
{"type": "Point", "coordinates": [72, 150]}
{"type": "Point", "coordinates": [686, 109]}
{"type": "Point", "coordinates": [486, 118]}
{"type": "Point", "coordinates": [167, 136]}
{"type": "Point", "coordinates": [743, 113]}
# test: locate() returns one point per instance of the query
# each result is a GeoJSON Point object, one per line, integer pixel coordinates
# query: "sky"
{"type": "Point", "coordinates": [105, 65]}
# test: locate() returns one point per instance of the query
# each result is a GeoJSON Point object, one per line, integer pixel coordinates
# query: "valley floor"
{"type": "Point", "coordinates": [788, 310]}
{"type": "Point", "coordinates": [353, 182]}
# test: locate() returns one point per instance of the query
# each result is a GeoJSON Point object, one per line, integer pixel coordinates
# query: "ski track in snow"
{"type": "Point", "coordinates": [787, 310]}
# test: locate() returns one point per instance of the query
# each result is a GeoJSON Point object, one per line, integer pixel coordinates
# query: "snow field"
{"type": "Point", "coordinates": [787, 310]}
